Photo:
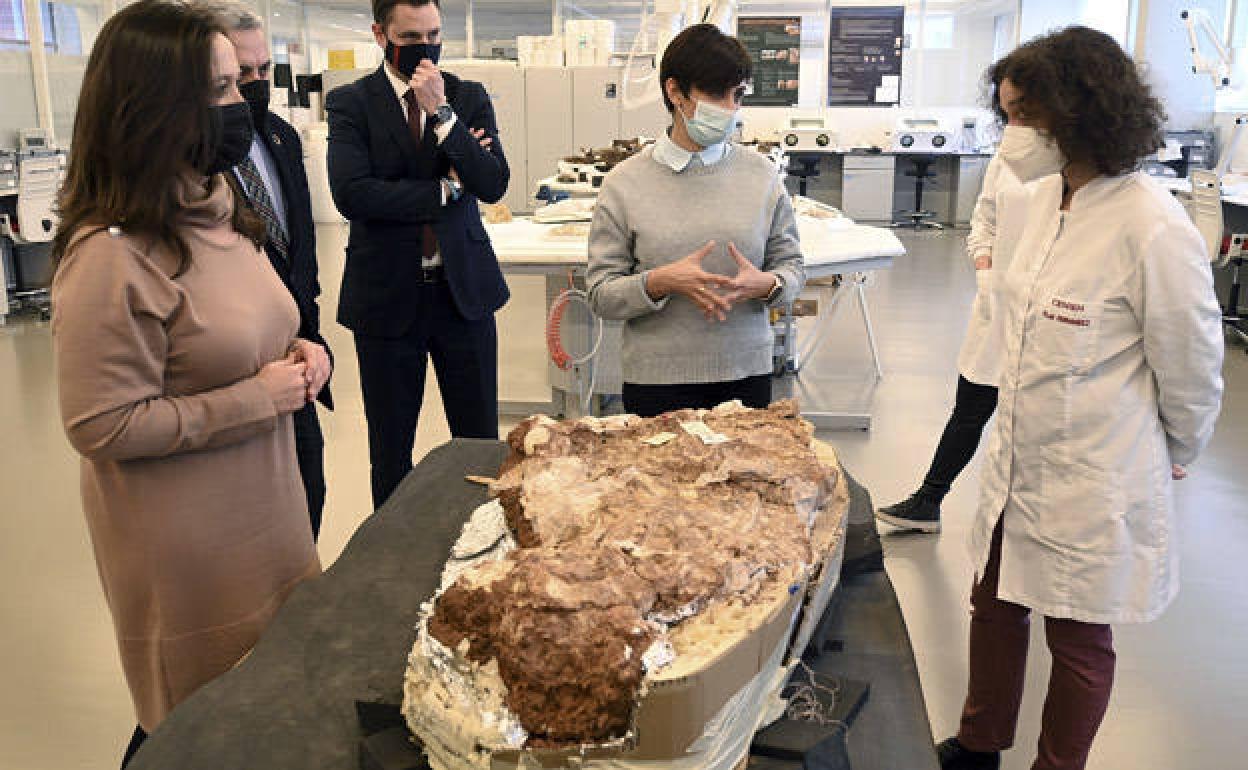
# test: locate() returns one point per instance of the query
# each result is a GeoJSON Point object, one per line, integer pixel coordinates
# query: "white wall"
{"type": "Point", "coordinates": [952, 76]}
{"type": "Point", "coordinates": [1188, 97]}
{"type": "Point", "coordinates": [1162, 50]}
{"type": "Point", "coordinates": [18, 90]}
{"type": "Point", "coordinates": [1042, 16]}
{"type": "Point", "coordinates": [1109, 16]}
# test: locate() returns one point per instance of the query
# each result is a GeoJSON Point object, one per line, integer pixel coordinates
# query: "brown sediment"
{"type": "Point", "coordinates": [615, 534]}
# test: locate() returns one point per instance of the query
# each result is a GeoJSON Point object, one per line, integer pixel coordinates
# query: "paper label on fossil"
{"type": "Point", "coordinates": [659, 439]}
{"type": "Point", "coordinates": [703, 431]}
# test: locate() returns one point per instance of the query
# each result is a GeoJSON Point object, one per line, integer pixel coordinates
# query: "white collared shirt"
{"type": "Point", "coordinates": [677, 158]}
{"type": "Point", "coordinates": [441, 131]}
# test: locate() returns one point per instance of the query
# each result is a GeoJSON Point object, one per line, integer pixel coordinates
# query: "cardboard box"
{"type": "Point", "coordinates": [674, 713]}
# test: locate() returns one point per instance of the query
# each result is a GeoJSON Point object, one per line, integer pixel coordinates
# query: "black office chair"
{"type": "Point", "coordinates": [919, 219]}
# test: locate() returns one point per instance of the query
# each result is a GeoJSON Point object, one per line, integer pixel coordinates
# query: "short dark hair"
{"type": "Point", "coordinates": [383, 8]}
{"type": "Point", "coordinates": [1099, 108]}
{"type": "Point", "coordinates": [705, 58]}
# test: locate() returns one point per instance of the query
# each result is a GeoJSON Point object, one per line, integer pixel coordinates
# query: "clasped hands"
{"type": "Point", "coordinates": [298, 378]}
{"type": "Point", "coordinates": [714, 294]}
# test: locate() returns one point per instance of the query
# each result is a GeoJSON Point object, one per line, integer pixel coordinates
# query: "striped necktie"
{"type": "Point", "coordinates": [258, 195]}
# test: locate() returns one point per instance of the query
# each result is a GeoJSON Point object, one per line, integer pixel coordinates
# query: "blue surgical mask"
{"type": "Point", "coordinates": [710, 125]}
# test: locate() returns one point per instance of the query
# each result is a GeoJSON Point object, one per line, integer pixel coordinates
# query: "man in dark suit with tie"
{"type": "Point", "coordinates": [411, 150]}
{"type": "Point", "coordinates": [276, 185]}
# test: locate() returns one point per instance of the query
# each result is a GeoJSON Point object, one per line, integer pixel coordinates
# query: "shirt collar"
{"type": "Point", "coordinates": [678, 159]}
{"type": "Point", "coordinates": [400, 86]}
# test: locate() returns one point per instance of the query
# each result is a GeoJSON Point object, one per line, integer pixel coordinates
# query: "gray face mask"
{"type": "Point", "coordinates": [710, 125]}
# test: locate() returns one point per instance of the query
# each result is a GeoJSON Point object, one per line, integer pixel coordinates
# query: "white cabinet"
{"type": "Point", "coordinates": [596, 93]}
{"type": "Point", "coordinates": [649, 119]}
{"type": "Point", "coordinates": [548, 111]}
{"type": "Point", "coordinates": [970, 180]}
{"type": "Point", "coordinates": [867, 188]}
{"type": "Point", "coordinates": [505, 84]}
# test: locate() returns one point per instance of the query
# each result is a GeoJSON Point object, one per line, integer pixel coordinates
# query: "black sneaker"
{"type": "Point", "coordinates": [954, 756]}
{"type": "Point", "coordinates": [915, 513]}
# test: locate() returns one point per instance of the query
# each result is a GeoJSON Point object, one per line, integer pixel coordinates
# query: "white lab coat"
{"type": "Point", "coordinates": [996, 225]}
{"type": "Point", "coordinates": [1111, 372]}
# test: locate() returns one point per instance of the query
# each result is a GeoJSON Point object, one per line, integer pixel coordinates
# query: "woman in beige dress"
{"type": "Point", "coordinates": [177, 359]}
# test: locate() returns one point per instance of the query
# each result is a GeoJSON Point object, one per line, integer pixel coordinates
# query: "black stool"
{"type": "Point", "coordinates": [918, 218]}
{"type": "Point", "coordinates": [809, 167]}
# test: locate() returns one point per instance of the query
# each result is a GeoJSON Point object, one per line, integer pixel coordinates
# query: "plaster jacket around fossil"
{"type": "Point", "coordinates": [631, 578]}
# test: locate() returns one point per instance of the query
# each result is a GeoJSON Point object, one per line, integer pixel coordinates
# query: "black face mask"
{"type": "Point", "coordinates": [236, 132]}
{"type": "Point", "coordinates": [406, 58]}
{"type": "Point", "coordinates": [256, 94]}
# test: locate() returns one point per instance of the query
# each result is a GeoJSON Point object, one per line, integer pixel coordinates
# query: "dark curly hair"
{"type": "Point", "coordinates": [1099, 109]}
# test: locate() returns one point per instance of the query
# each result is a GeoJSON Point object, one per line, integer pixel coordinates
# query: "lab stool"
{"type": "Point", "coordinates": [808, 166]}
{"type": "Point", "coordinates": [918, 218]}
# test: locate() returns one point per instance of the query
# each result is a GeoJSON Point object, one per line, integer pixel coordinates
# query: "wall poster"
{"type": "Point", "coordinates": [864, 55]}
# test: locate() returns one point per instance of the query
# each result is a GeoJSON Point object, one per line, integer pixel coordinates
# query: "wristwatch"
{"type": "Point", "coordinates": [444, 114]}
{"type": "Point", "coordinates": [457, 189]}
{"type": "Point", "coordinates": [776, 291]}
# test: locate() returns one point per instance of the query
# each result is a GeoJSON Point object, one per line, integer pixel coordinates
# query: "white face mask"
{"type": "Point", "coordinates": [1030, 154]}
{"type": "Point", "coordinates": [710, 125]}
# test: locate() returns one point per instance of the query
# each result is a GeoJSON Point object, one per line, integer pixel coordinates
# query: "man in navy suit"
{"type": "Point", "coordinates": [411, 150]}
{"type": "Point", "coordinates": [275, 183]}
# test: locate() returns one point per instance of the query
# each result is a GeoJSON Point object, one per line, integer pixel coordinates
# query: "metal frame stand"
{"type": "Point", "coordinates": [824, 321]}
{"type": "Point", "coordinates": [830, 419]}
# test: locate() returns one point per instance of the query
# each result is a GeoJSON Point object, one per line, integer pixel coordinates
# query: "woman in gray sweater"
{"type": "Point", "coordinates": [692, 240]}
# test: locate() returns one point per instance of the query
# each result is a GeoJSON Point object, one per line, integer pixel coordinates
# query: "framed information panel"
{"type": "Point", "coordinates": [775, 47]}
{"type": "Point", "coordinates": [864, 55]}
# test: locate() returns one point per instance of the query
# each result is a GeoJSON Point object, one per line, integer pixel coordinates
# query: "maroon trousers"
{"type": "Point", "coordinates": [1079, 683]}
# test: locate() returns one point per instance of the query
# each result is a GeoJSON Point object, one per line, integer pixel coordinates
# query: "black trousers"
{"type": "Point", "coordinates": [310, 451]}
{"type": "Point", "coordinates": [653, 400]}
{"type": "Point", "coordinates": [392, 377]}
{"type": "Point", "coordinates": [972, 409]}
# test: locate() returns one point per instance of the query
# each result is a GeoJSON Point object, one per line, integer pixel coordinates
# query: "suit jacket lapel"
{"type": "Point", "coordinates": [385, 107]}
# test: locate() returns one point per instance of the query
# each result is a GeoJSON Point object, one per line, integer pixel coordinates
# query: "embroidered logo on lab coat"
{"type": "Point", "coordinates": [1067, 312]}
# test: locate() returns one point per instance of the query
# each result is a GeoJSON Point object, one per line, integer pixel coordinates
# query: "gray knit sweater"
{"type": "Point", "coordinates": [649, 215]}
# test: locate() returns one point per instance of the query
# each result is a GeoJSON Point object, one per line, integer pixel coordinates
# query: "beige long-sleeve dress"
{"type": "Point", "coordinates": [189, 479]}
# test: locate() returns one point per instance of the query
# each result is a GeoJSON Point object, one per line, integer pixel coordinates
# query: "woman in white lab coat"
{"type": "Point", "coordinates": [1110, 385]}
{"type": "Point", "coordinates": [996, 224]}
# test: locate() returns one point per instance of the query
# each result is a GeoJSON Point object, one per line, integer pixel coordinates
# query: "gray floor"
{"type": "Point", "coordinates": [1182, 688]}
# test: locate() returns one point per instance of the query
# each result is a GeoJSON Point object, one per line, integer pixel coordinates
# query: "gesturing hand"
{"type": "Point", "coordinates": [1178, 472]}
{"type": "Point", "coordinates": [428, 87]}
{"type": "Point", "coordinates": [687, 277]}
{"type": "Point", "coordinates": [749, 282]}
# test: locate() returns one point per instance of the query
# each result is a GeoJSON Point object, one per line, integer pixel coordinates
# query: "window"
{"type": "Point", "coordinates": [937, 30]}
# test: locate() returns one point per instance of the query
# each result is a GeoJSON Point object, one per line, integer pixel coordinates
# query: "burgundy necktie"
{"type": "Point", "coordinates": [429, 239]}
